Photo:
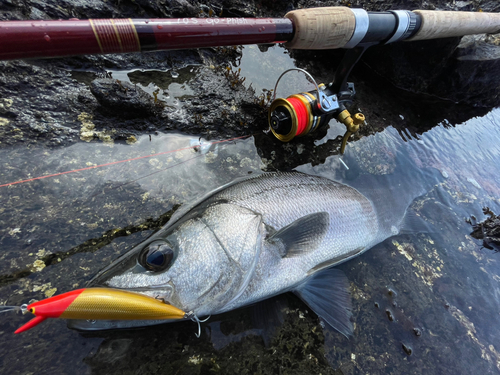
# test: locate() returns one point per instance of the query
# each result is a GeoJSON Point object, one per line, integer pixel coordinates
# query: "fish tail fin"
{"type": "Point", "coordinates": [393, 194]}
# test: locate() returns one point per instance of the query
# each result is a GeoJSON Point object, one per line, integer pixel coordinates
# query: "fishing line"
{"type": "Point", "coordinates": [140, 178]}
{"type": "Point", "coordinates": [161, 170]}
{"type": "Point", "coordinates": [120, 161]}
{"type": "Point", "coordinates": [9, 308]}
{"type": "Point", "coordinates": [22, 308]}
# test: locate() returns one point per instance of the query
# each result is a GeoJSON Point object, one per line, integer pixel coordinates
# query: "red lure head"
{"type": "Point", "coordinates": [51, 307]}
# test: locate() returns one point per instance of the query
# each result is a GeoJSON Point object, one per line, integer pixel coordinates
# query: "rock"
{"type": "Point", "coordinates": [473, 73]}
{"type": "Point", "coordinates": [412, 66]}
{"type": "Point", "coordinates": [123, 98]}
{"type": "Point", "coordinates": [462, 70]}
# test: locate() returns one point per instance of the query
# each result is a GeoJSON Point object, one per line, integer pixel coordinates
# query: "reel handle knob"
{"type": "Point", "coordinates": [352, 125]}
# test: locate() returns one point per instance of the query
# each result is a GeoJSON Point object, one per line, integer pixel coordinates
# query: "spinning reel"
{"type": "Point", "coordinates": [303, 113]}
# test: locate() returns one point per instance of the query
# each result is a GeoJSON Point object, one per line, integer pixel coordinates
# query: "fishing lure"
{"type": "Point", "coordinates": [97, 304]}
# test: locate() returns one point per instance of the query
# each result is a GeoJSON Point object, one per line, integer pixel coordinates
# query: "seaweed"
{"type": "Point", "coordinates": [487, 230]}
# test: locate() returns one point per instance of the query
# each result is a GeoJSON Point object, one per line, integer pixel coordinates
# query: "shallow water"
{"type": "Point", "coordinates": [435, 293]}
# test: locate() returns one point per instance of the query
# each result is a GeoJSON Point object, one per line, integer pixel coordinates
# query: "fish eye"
{"type": "Point", "coordinates": [156, 256]}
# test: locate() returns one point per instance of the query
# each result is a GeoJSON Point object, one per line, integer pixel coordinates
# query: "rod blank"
{"type": "Point", "coordinates": [32, 39]}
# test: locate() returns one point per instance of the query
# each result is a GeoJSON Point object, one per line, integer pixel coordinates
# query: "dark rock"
{"type": "Point", "coordinates": [412, 66]}
{"type": "Point", "coordinates": [123, 98]}
{"type": "Point", "coordinates": [40, 101]}
{"type": "Point", "coordinates": [463, 70]}
{"type": "Point", "coordinates": [473, 73]}
{"type": "Point", "coordinates": [407, 349]}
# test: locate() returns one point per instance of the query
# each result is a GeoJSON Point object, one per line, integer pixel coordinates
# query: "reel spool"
{"type": "Point", "coordinates": [294, 116]}
{"type": "Point", "coordinates": [301, 114]}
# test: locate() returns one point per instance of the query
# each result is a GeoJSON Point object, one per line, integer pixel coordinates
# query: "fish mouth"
{"type": "Point", "coordinates": [162, 292]}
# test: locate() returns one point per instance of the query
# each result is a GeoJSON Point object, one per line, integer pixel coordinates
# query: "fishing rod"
{"type": "Point", "coordinates": [314, 29]}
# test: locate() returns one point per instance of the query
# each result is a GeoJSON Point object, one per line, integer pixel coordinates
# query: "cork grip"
{"type": "Point", "coordinates": [443, 24]}
{"type": "Point", "coordinates": [321, 28]}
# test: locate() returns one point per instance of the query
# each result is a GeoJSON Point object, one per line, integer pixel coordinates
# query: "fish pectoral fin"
{"type": "Point", "coordinates": [303, 235]}
{"type": "Point", "coordinates": [327, 294]}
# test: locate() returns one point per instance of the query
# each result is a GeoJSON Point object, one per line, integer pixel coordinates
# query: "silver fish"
{"type": "Point", "coordinates": [249, 241]}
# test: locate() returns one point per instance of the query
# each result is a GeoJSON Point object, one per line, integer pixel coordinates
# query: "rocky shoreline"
{"type": "Point", "coordinates": [59, 228]}
{"type": "Point", "coordinates": [45, 101]}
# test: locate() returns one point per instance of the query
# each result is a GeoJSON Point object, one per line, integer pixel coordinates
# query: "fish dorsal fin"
{"type": "Point", "coordinates": [303, 235]}
{"type": "Point", "coordinates": [327, 294]}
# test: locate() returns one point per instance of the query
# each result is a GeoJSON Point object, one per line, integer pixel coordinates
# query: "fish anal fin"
{"type": "Point", "coordinates": [327, 294]}
{"type": "Point", "coordinates": [303, 235]}
{"type": "Point", "coordinates": [412, 223]}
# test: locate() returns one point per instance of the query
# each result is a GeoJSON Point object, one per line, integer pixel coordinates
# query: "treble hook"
{"type": "Point", "coordinates": [191, 315]}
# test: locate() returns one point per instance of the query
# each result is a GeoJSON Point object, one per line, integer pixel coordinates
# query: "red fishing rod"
{"type": "Point", "coordinates": [315, 28]}
{"type": "Point", "coordinates": [30, 39]}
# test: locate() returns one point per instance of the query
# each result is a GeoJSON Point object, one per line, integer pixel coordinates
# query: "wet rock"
{"type": "Point", "coordinates": [123, 98]}
{"type": "Point", "coordinates": [465, 70]}
{"type": "Point", "coordinates": [40, 102]}
{"type": "Point", "coordinates": [407, 349]}
{"type": "Point", "coordinates": [297, 348]}
{"type": "Point", "coordinates": [475, 75]}
{"type": "Point", "coordinates": [407, 65]}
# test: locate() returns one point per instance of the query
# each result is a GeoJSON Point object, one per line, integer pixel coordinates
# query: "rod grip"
{"type": "Point", "coordinates": [321, 28]}
{"type": "Point", "coordinates": [444, 24]}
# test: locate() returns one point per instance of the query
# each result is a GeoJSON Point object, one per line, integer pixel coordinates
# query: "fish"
{"type": "Point", "coordinates": [251, 240]}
